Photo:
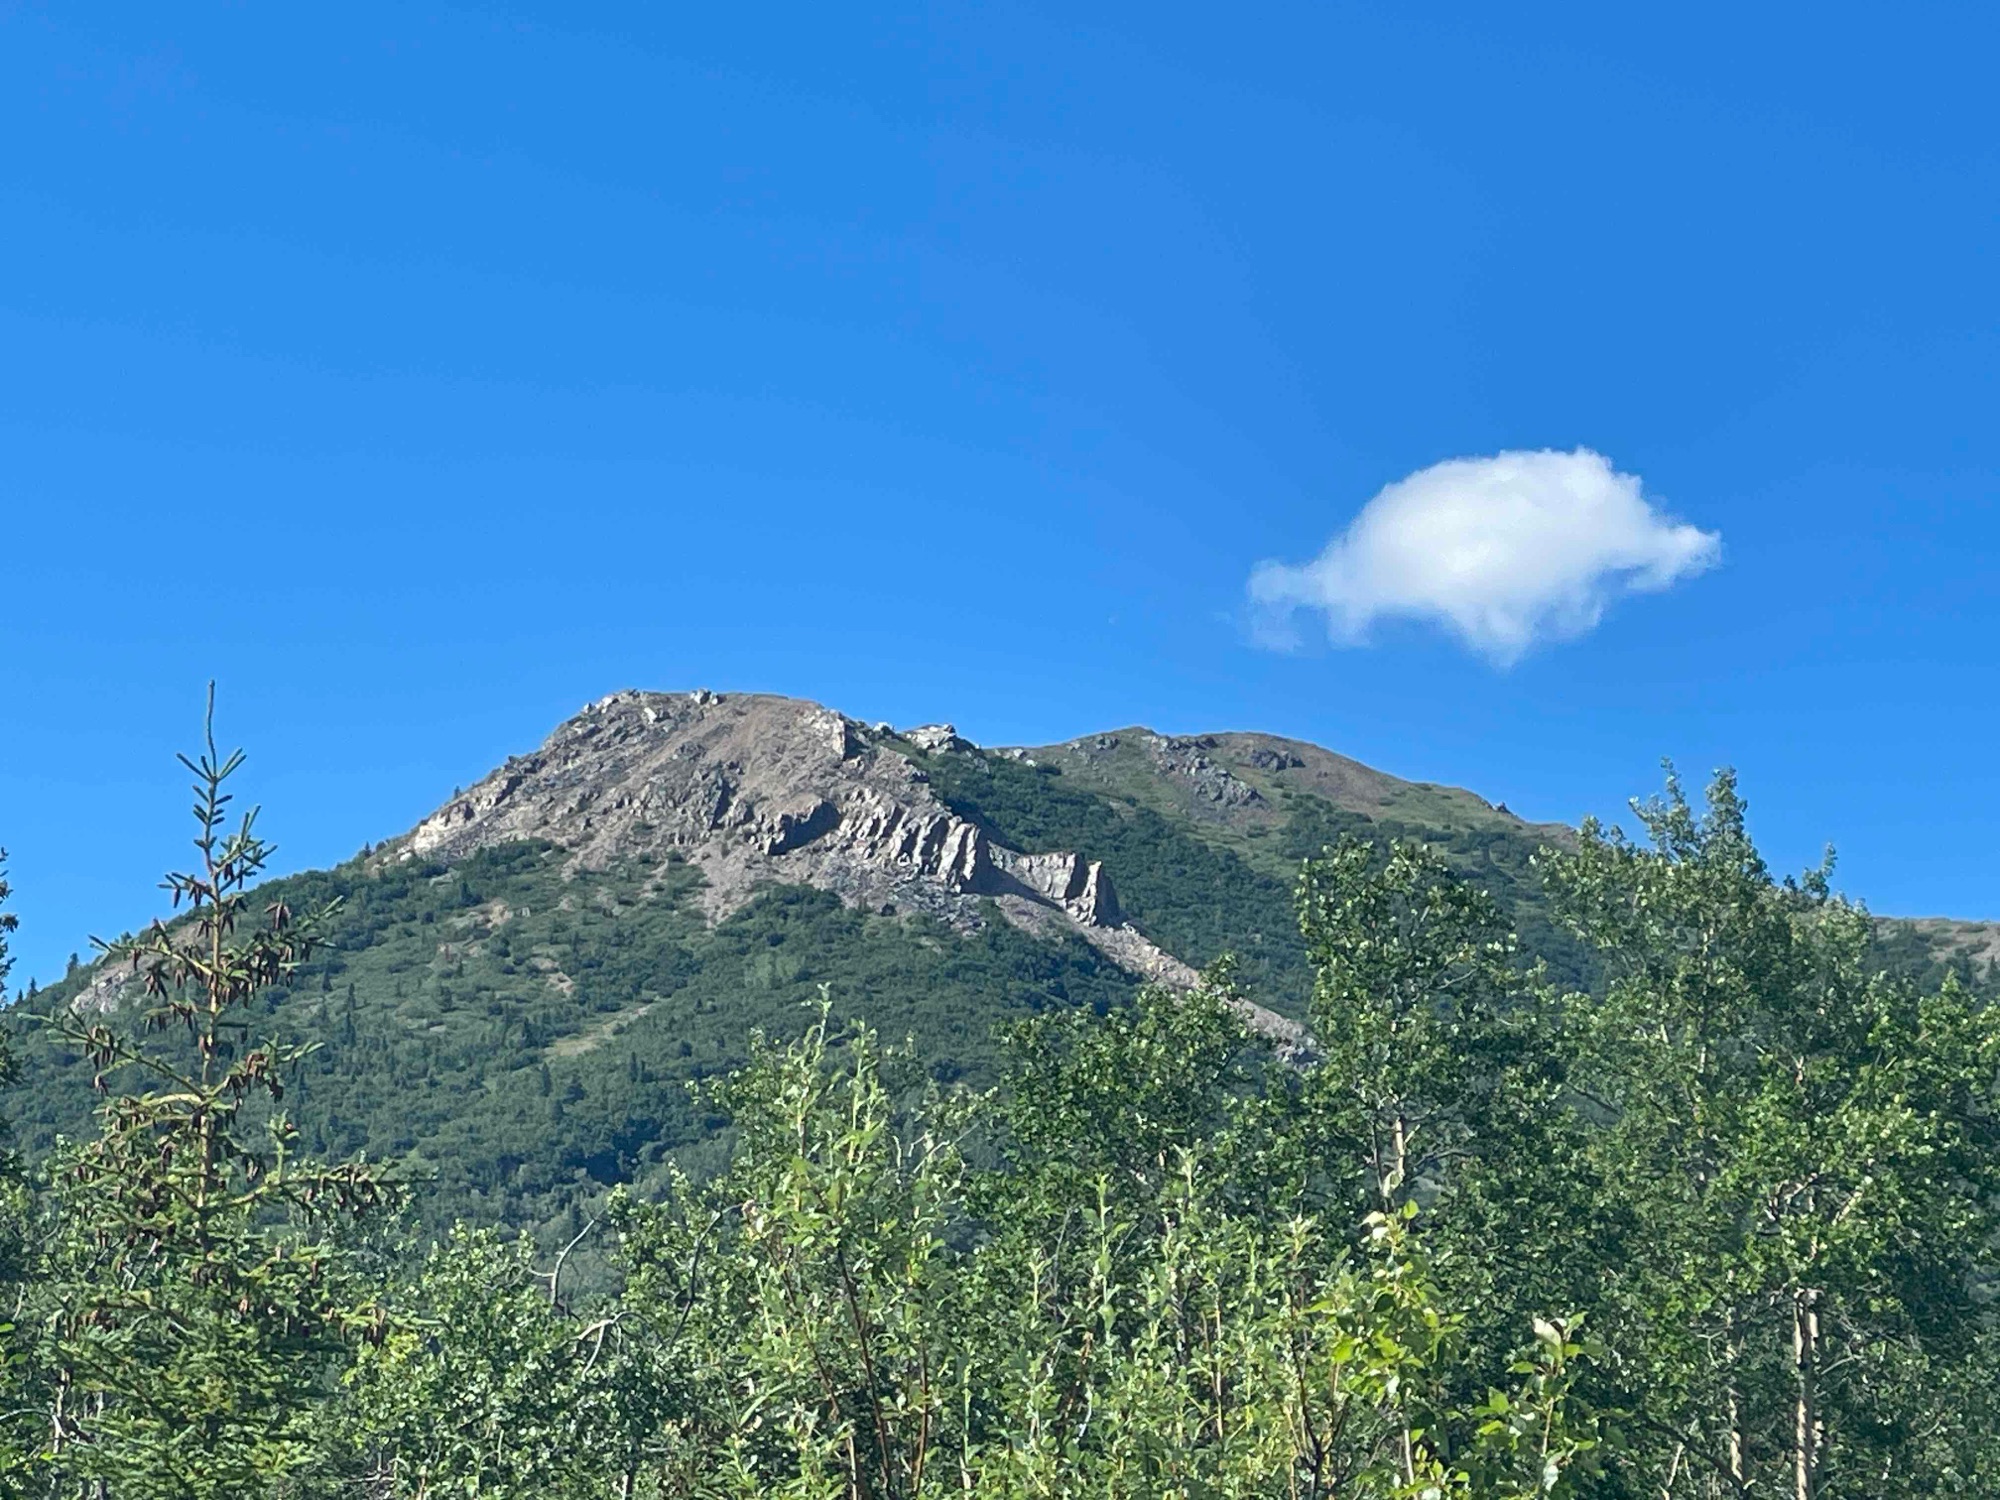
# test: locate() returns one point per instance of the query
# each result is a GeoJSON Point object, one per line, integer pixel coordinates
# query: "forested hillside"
{"type": "Point", "coordinates": [519, 1039]}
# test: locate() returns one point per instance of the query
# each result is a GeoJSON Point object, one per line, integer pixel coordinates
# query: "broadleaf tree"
{"type": "Point", "coordinates": [1811, 1152]}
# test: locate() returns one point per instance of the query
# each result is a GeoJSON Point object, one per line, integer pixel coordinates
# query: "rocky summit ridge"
{"type": "Point", "coordinates": [754, 789]}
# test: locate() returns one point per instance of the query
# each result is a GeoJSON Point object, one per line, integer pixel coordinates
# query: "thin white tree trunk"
{"type": "Point", "coordinates": [1805, 1414]}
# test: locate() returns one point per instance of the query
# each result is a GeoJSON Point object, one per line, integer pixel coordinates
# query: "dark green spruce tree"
{"type": "Point", "coordinates": [192, 1298]}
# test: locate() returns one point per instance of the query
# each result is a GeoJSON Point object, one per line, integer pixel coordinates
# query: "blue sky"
{"type": "Point", "coordinates": [424, 373]}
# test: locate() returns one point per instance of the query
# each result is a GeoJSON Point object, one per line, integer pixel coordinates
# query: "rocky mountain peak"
{"type": "Point", "coordinates": [754, 789]}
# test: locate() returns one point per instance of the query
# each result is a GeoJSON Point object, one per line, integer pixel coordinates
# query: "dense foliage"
{"type": "Point", "coordinates": [1724, 1227]}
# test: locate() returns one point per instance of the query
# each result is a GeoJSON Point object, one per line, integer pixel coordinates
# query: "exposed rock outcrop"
{"type": "Point", "coordinates": [937, 737]}
{"type": "Point", "coordinates": [1183, 759]}
{"type": "Point", "coordinates": [755, 790]}
{"type": "Point", "coordinates": [1079, 887]}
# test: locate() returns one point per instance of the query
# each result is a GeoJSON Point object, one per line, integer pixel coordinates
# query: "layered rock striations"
{"type": "Point", "coordinates": [755, 790]}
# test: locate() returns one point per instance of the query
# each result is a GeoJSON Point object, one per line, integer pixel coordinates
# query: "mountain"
{"type": "Point", "coordinates": [752, 791]}
{"type": "Point", "coordinates": [515, 992]}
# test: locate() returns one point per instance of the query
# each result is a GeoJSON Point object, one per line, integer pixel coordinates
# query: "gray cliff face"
{"type": "Point", "coordinates": [754, 789]}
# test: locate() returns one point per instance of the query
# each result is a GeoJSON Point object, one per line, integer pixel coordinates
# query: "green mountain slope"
{"type": "Point", "coordinates": [515, 995]}
{"type": "Point", "coordinates": [521, 1038]}
{"type": "Point", "coordinates": [1205, 837]}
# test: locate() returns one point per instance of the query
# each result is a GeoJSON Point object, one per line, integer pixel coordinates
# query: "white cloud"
{"type": "Point", "coordinates": [1507, 552]}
